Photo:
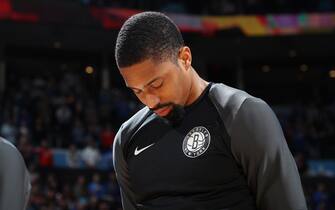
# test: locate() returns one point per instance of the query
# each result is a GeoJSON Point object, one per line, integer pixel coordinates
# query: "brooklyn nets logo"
{"type": "Point", "coordinates": [196, 142]}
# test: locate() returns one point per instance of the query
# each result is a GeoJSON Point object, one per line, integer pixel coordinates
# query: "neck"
{"type": "Point", "coordinates": [198, 85]}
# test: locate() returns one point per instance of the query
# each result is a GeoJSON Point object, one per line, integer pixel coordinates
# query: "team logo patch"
{"type": "Point", "coordinates": [196, 142]}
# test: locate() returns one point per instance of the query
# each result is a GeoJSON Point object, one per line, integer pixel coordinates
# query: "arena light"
{"type": "Point", "coordinates": [332, 73]}
{"type": "Point", "coordinates": [292, 53]}
{"type": "Point", "coordinates": [57, 44]}
{"type": "Point", "coordinates": [89, 70]}
{"type": "Point", "coordinates": [304, 68]}
{"type": "Point", "coordinates": [266, 68]}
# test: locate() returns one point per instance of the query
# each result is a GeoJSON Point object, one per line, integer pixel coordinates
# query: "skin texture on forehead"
{"type": "Point", "coordinates": [141, 74]}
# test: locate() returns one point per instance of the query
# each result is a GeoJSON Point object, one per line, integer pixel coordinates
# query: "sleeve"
{"type": "Point", "coordinates": [120, 167]}
{"type": "Point", "coordinates": [14, 179]}
{"type": "Point", "coordinates": [259, 146]}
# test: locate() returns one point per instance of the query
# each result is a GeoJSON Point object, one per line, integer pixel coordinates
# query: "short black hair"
{"type": "Point", "coordinates": [147, 35]}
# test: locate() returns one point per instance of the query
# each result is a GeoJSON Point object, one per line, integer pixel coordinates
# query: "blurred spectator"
{"type": "Point", "coordinates": [301, 163]}
{"type": "Point", "coordinates": [73, 157]}
{"type": "Point", "coordinates": [45, 155]}
{"type": "Point", "coordinates": [93, 203]}
{"type": "Point", "coordinates": [34, 173]}
{"type": "Point", "coordinates": [26, 149]}
{"type": "Point", "coordinates": [64, 118]}
{"type": "Point", "coordinates": [107, 137]}
{"type": "Point", "coordinates": [299, 139]}
{"type": "Point", "coordinates": [52, 182]}
{"type": "Point", "coordinates": [9, 131]}
{"type": "Point", "coordinates": [78, 133]}
{"type": "Point", "coordinates": [40, 131]}
{"type": "Point", "coordinates": [91, 154]}
{"type": "Point", "coordinates": [112, 188]}
{"type": "Point", "coordinates": [95, 188]}
{"type": "Point", "coordinates": [321, 197]}
{"type": "Point", "coordinates": [63, 115]}
{"type": "Point", "coordinates": [37, 198]}
{"type": "Point", "coordinates": [80, 187]}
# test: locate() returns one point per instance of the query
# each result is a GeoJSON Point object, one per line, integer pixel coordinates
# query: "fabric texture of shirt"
{"type": "Point", "coordinates": [14, 178]}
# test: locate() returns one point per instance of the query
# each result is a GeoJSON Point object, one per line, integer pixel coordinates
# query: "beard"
{"type": "Point", "coordinates": [175, 116]}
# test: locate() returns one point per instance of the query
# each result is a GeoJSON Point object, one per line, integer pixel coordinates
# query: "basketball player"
{"type": "Point", "coordinates": [195, 145]}
{"type": "Point", "coordinates": [14, 178]}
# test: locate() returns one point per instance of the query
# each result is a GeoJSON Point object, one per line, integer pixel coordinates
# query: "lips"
{"type": "Point", "coordinates": [163, 111]}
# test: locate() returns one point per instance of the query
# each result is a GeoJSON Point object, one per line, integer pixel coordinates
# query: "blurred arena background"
{"type": "Point", "coordinates": [62, 99]}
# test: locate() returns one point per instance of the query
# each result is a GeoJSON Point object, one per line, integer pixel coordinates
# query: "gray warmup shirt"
{"type": "Point", "coordinates": [228, 153]}
{"type": "Point", "coordinates": [14, 178]}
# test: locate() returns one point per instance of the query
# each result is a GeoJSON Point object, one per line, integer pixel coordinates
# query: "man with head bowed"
{"type": "Point", "coordinates": [196, 145]}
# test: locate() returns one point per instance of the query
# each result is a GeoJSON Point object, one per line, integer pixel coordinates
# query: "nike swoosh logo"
{"type": "Point", "coordinates": [137, 152]}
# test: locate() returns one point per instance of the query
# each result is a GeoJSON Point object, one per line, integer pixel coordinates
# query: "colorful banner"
{"type": "Point", "coordinates": [257, 25]}
{"type": "Point", "coordinates": [8, 13]}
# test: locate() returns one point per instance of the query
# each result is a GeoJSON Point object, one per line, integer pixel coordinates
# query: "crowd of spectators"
{"type": "Point", "coordinates": [309, 128]}
{"type": "Point", "coordinates": [310, 132]}
{"type": "Point", "coordinates": [44, 116]}
{"type": "Point", "coordinates": [56, 191]}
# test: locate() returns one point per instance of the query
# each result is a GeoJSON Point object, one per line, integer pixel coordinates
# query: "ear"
{"type": "Point", "coordinates": [185, 56]}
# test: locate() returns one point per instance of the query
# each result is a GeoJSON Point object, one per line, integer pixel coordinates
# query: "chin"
{"type": "Point", "coordinates": [175, 116]}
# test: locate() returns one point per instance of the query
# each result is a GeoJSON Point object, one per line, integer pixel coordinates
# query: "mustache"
{"type": "Point", "coordinates": [159, 106]}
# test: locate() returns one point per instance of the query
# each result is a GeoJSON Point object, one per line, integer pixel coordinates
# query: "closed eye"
{"type": "Point", "coordinates": [157, 83]}
{"type": "Point", "coordinates": [136, 91]}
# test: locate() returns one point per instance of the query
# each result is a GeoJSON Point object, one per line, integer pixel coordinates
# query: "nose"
{"type": "Point", "coordinates": [151, 100]}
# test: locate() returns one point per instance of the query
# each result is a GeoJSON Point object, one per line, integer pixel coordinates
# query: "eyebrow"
{"type": "Point", "coordinates": [153, 80]}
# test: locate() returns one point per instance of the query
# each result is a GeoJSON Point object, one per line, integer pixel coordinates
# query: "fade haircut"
{"type": "Point", "coordinates": [147, 35]}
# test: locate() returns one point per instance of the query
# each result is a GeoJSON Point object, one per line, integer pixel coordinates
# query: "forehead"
{"type": "Point", "coordinates": [138, 75]}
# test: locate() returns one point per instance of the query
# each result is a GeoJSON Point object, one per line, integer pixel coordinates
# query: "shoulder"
{"type": "Point", "coordinates": [9, 154]}
{"type": "Point", "coordinates": [7, 148]}
{"type": "Point", "coordinates": [229, 101]}
{"type": "Point", "coordinates": [229, 97]}
{"type": "Point", "coordinates": [129, 127]}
